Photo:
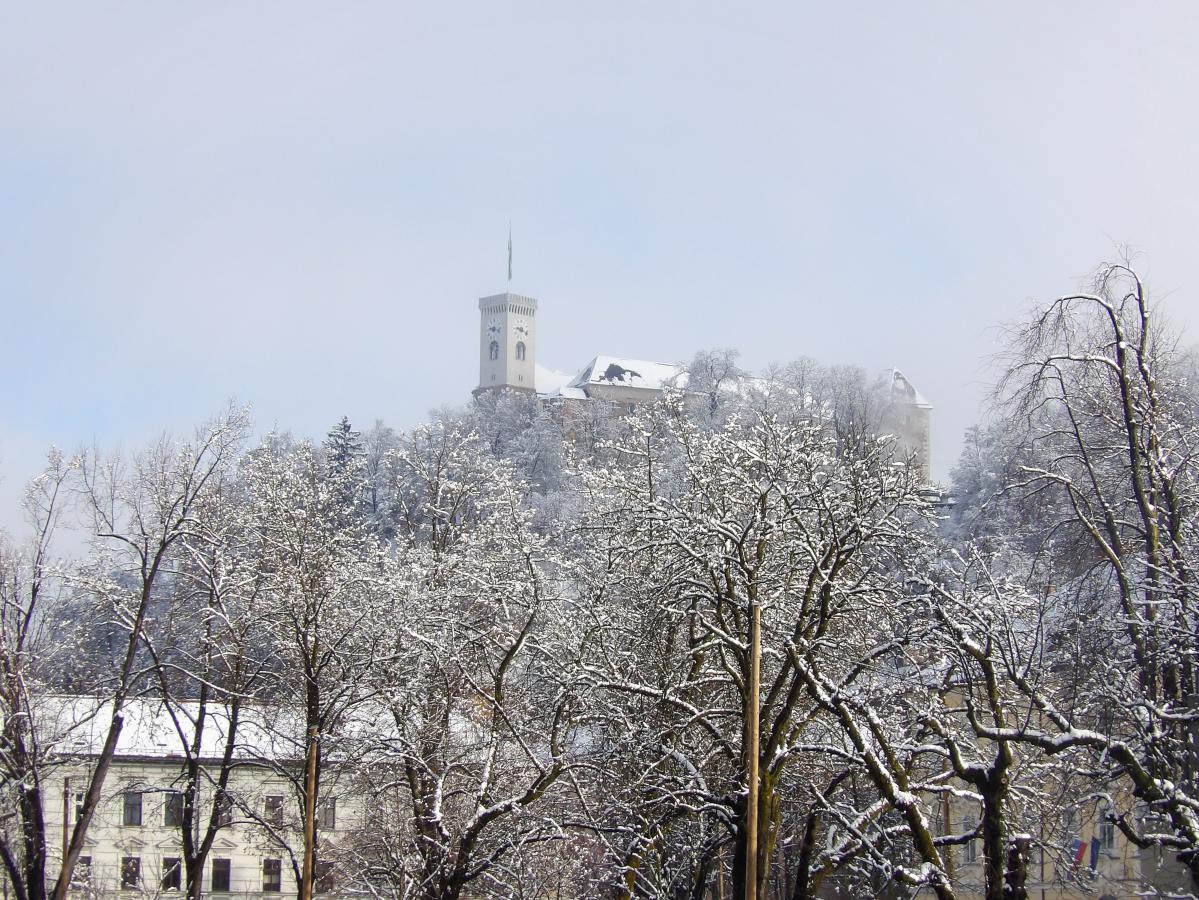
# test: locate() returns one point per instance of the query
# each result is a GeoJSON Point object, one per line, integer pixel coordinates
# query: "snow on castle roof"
{"type": "Point", "coordinates": [634, 373]}
{"type": "Point", "coordinates": [550, 382]}
{"type": "Point", "coordinates": [901, 387]}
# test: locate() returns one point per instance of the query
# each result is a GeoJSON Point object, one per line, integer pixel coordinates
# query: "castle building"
{"type": "Point", "coordinates": [507, 343]}
{"type": "Point", "coordinates": [508, 362]}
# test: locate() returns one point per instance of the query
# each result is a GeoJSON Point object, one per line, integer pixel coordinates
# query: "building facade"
{"type": "Point", "coordinates": [134, 844]}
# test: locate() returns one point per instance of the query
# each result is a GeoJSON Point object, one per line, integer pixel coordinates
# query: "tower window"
{"type": "Point", "coordinates": [520, 349]}
{"type": "Point", "coordinates": [494, 350]}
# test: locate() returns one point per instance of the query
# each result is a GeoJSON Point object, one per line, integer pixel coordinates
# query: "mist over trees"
{"type": "Point", "coordinates": [726, 644]}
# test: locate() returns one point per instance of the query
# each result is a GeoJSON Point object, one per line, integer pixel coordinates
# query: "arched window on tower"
{"type": "Point", "coordinates": [520, 349]}
{"type": "Point", "coordinates": [494, 350]}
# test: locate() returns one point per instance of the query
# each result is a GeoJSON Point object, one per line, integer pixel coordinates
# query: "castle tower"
{"type": "Point", "coordinates": [507, 343]}
{"type": "Point", "coordinates": [909, 418]}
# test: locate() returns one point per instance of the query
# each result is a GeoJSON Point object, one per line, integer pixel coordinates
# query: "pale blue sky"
{"type": "Point", "coordinates": [298, 204]}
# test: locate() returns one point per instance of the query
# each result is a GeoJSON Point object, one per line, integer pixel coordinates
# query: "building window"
{"type": "Point", "coordinates": [172, 873]}
{"type": "Point", "coordinates": [1106, 836]}
{"type": "Point", "coordinates": [520, 349]}
{"type": "Point", "coordinates": [493, 350]}
{"type": "Point", "coordinates": [132, 813]}
{"type": "Point", "coordinates": [274, 809]}
{"type": "Point", "coordinates": [272, 875]}
{"type": "Point", "coordinates": [971, 852]}
{"type": "Point", "coordinates": [222, 872]}
{"type": "Point", "coordinates": [131, 872]}
{"type": "Point", "coordinates": [82, 876]}
{"type": "Point", "coordinates": [324, 881]}
{"type": "Point", "coordinates": [80, 796]}
{"type": "Point", "coordinates": [326, 815]}
{"type": "Point", "coordinates": [172, 809]}
{"type": "Point", "coordinates": [224, 809]}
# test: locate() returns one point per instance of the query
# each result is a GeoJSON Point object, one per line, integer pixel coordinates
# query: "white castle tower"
{"type": "Point", "coordinates": [507, 343]}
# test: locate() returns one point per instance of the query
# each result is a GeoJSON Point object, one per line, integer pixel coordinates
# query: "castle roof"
{"type": "Point", "coordinates": [611, 371]}
{"type": "Point", "coordinates": [633, 373]}
{"type": "Point", "coordinates": [552, 383]}
{"type": "Point", "coordinates": [906, 391]}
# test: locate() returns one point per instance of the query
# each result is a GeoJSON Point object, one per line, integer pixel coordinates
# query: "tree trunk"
{"type": "Point", "coordinates": [1017, 871]}
{"type": "Point", "coordinates": [803, 871]}
{"type": "Point", "coordinates": [193, 861]}
{"type": "Point", "coordinates": [738, 873]}
{"type": "Point", "coordinates": [193, 873]}
{"type": "Point", "coordinates": [33, 825]}
{"type": "Point", "coordinates": [995, 851]}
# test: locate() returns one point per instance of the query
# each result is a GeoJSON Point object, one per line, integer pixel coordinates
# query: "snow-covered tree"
{"type": "Point", "coordinates": [343, 446]}
{"type": "Point", "coordinates": [211, 664]}
{"type": "Point", "coordinates": [1097, 427]}
{"type": "Point", "coordinates": [705, 531]}
{"type": "Point", "coordinates": [323, 586]}
{"type": "Point", "coordinates": [140, 512]}
{"type": "Point", "coordinates": [377, 442]}
{"type": "Point", "coordinates": [466, 775]}
{"type": "Point", "coordinates": [715, 376]}
{"type": "Point", "coordinates": [34, 631]}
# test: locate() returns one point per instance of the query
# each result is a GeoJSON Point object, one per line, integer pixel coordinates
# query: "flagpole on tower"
{"type": "Point", "coordinates": [509, 254]}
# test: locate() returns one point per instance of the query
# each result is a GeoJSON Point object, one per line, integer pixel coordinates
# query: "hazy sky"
{"type": "Point", "coordinates": [298, 204]}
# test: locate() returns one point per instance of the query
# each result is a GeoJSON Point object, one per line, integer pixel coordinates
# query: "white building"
{"type": "Point", "coordinates": [134, 842]}
{"type": "Point", "coordinates": [507, 342]}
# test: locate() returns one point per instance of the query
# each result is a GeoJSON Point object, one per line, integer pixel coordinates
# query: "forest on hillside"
{"type": "Point", "coordinates": [725, 644]}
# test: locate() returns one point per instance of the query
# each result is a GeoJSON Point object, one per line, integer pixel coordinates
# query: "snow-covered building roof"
{"type": "Point", "coordinates": [605, 374]}
{"type": "Point", "coordinates": [78, 725]}
{"type": "Point", "coordinates": [634, 373]}
{"type": "Point", "coordinates": [906, 391]}
{"type": "Point", "coordinates": [552, 383]}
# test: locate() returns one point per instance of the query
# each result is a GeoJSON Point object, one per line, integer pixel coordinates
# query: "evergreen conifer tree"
{"type": "Point", "coordinates": [343, 446]}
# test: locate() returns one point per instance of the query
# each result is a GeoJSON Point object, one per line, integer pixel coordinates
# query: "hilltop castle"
{"type": "Point", "coordinates": [508, 362]}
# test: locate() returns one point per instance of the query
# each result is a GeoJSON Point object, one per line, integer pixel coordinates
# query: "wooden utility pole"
{"type": "Point", "coordinates": [66, 814]}
{"type": "Point", "coordinates": [751, 749]}
{"type": "Point", "coordinates": [308, 872]}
